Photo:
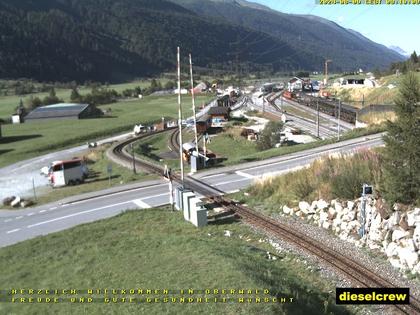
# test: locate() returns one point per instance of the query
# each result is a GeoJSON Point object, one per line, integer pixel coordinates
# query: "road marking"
{"type": "Point", "coordinates": [42, 211]}
{"type": "Point", "coordinates": [114, 194]}
{"type": "Point", "coordinates": [12, 231]}
{"type": "Point", "coordinates": [30, 214]}
{"type": "Point", "coordinates": [160, 195]}
{"type": "Point", "coordinates": [53, 208]}
{"type": "Point", "coordinates": [18, 218]}
{"type": "Point", "coordinates": [216, 175]}
{"type": "Point", "coordinates": [246, 175]}
{"type": "Point", "coordinates": [8, 220]}
{"type": "Point", "coordinates": [141, 204]}
{"type": "Point", "coordinates": [76, 214]}
{"type": "Point", "coordinates": [231, 181]}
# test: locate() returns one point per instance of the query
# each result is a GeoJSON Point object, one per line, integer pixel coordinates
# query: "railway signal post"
{"type": "Point", "coordinates": [366, 190]}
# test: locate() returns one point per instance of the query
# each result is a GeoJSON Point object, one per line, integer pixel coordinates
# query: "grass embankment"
{"type": "Point", "coordinates": [327, 178]}
{"type": "Point", "coordinates": [255, 155]}
{"type": "Point", "coordinates": [98, 178]}
{"type": "Point", "coordinates": [156, 249]}
{"type": "Point", "coordinates": [379, 95]}
{"type": "Point", "coordinates": [28, 140]}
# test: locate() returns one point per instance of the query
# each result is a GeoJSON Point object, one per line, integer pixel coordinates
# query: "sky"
{"type": "Point", "coordinates": [397, 25]}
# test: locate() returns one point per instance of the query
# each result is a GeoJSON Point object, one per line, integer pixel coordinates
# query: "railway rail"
{"type": "Point", "coordinates": [353, 270]}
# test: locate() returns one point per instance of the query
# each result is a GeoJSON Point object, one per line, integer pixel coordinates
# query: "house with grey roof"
{"type": "Point", "coordinates": [63, 111]}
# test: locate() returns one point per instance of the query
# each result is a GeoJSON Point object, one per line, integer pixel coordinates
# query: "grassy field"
{"type": "Point", "coordinates": [157, 249]}
{"type": "Point", "coordinates": [10, 102]}
{"type": "Point", "coordinates": [28, 140]}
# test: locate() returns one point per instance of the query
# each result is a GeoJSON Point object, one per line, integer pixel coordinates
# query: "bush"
{"type": "Point", "coordinates": [270, 135]}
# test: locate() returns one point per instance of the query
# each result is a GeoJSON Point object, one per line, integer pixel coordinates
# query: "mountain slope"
{"type": "Point", "coordinates": [108, 40]}
{"type": "Point", "coordinates": [306, 34]}
{"type": "Point", "coordinates": [116, 40]}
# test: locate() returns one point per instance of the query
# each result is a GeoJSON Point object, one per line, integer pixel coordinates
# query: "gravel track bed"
{"type": "Point", "coordinates": [374, 260]}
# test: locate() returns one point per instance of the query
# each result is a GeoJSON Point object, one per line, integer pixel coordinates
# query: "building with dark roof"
{"type": "Point", "coordinates": [63, 111]}
{"type": "Point", "coordinates": [219, 115]}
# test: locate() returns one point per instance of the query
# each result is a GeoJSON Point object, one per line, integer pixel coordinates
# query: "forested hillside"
{"type": "Point", "coordinates": [117, 40]}
{"type": "Point", "coordinates": [309, 35]}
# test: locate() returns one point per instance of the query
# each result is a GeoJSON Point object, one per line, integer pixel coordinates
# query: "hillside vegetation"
{"type": "Point", "coordinates": [105, 40]}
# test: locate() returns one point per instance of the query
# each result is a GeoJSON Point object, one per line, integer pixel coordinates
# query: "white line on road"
{"type": "Point", "coordinates": [30, 214]}
{"type": "Point", "coordinates": [12, 231]}
{"type": "Point", "coordinates": [76, 214]}
{"type": "Point", "coordinates": [246, 175]}
{"type": "Point", "coordinates": [8, 220]}
{"type": "Point", "coordinates": [18, 218]}
{"type": "Point", "coordinates": [53, 208]}
{"type": "Point", "coordinates": [42, 211]}
{"type": "Point", "coordinates": [230, 182]}
{"type": "Point", "coordinates": [160, 195]}
{"type": "Point", "coordinates": [114, 194]}
{"type": "Point", "coordinates": [141, 204]}
{"type": "Point", "coordinates": [216, 175]}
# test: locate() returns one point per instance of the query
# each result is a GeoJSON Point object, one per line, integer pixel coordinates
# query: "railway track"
{"type": "Point", "coordinates": [174, 142]}
{"type": "Point", "coordinates": [358, 274]}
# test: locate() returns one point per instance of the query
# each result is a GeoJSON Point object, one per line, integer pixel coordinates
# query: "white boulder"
{"type": "Point", "coordinates": [408, 257]}
{"type": "Point", "coordinates": [394, 219]}
{"type": "Point", "coordinates": [287, 210]}
{"type": "Point", "coordinates": [399, 234]}
{"type": "Point", "coordinates": [322, 204]}
{"type": "Point", "coordinates": [392, 249]}
{"type": "Point", "coordinates": [326, 225]}
{"type": "Point", "coordinates": [350, 205]}
{"type": "Point", "coordinates": [332, 213]}
{"type": "Point", "coordinates": [323, 216]}
{"type": "Point", "coordinates": [304, 207]}
{"type": "Point", "coordinates": [413, 217]}
{"type": "Point", "coordinates": [395, 263]}
{"type": "Point", "coordinates": [15, 202]}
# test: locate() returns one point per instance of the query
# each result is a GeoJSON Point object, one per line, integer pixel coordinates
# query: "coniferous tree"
{"type": "Point", "coordinates": [402, 151]}
{"type": "Point", "coordinates": [75, 96]}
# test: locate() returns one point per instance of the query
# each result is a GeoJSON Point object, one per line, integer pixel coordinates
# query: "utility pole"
{"type": "Point", "coordinates": [263, 105]}
{"type": "Point", "coordinates": [134, 158]}
{"type": "Point", "coordinates": [338, 121]}
{"type": "Point", "coordinates": [326, 71]}
{"type": "Point", "coordinates": [33, 188]}
{"type": "Point", "coordinates": [193, 106]}
{"type": "Point", "coordinates": [180, 117]}
{"type": "Point", "coordinates": [317, 117]}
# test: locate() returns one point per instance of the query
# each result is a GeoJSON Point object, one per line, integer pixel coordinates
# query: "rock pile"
{"type": "Point", "coordinates": [16, 201]}
{"type": "Point", "coordinates": [396, 235]}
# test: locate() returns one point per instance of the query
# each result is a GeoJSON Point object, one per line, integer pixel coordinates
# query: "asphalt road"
{"type": "Point", "coordinates": [19, 225]}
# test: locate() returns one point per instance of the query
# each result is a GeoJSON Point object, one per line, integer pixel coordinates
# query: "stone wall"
{"type": "Point", "coordinates": [396, 236]}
